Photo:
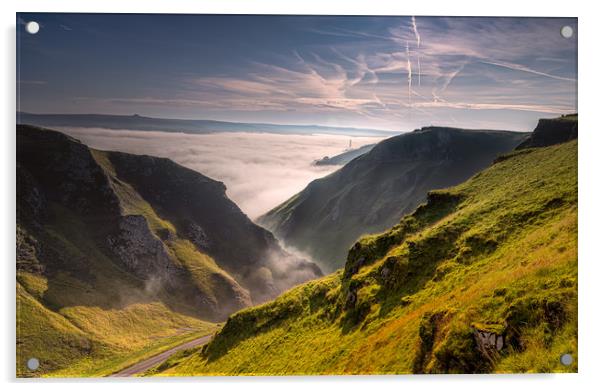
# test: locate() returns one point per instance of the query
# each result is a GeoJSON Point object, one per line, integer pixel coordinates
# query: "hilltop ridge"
{"type": "Point", "coordinates": [193, 126]}
{"type": "Point", "coordinates": [372, 192]}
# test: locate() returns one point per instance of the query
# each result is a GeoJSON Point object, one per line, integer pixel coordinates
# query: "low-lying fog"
{"type": "Point", "coordinates": [260, 170]}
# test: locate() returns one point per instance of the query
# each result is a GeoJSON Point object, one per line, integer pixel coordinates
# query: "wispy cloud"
{"type": "Point", "coordinates": [522, 68]}
{"type": "Point", "coordinates": [365, 82]}
{"type": "Point", "coordinates": [417, 34]}
{"type": "Point", "coordinates": [397, 73]}
{"type": "Point", "coordinates": [409, 70]}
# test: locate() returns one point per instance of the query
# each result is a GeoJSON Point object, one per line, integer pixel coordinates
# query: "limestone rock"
{"type": "Point", "coordinates": [140, 250]}
{"type": "Point", "coordinates": [488, 343]}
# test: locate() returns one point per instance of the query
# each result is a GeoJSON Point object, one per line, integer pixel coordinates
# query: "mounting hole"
{"type": "Point", "coordinates": [566, 359]}
{"type": "Point", "coordinates": [566, 32]}
{"type": "Point", "coordinates": [32, 27]}
{"type": "Point", "coordinates": [33, 364]}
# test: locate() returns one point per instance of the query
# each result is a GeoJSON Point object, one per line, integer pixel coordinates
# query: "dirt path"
{"type": "Point", "coordinates": [145, 365]}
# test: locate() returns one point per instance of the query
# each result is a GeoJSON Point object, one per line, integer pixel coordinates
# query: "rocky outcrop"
{"type": "Point", "coordinates": [140, 251]}
{"type": "Point", "coordinates": [30, 198]}
{"type": "Point", "coordinates": [488, 343]}
{"type": "Point", "coordinates": [202, 213]}
{"type": "Point", "coordinates": [552, 131]}
{"type": "Point", "coordinates": [197, 235]}
{"type": "Point", "coordinates": [171, 232]}
{"type": "Point", "coordinates": [65, 171]}
{"type": "Point", "coordinates": [27, 252]}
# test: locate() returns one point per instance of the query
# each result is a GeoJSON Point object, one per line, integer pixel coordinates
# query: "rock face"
{"type": "Point", "coordinates": [55, 166]}
{"type": "Point", "coordinates": [140, 250]}
{"type": "Point", "coordinates": [552, 131]}
{"type": "Point", "coordinates": [488, 343]}
{"type": "Point", "coordinates": [197, 235]}
{"type": "Point", "coordinates": [27, 252]}
{"type": "Point", "coordinates": [202, 213]}
{"type": "Point", "coordinates": [372, 192]}
{"type": "Point", "coordinates": [161, 231]}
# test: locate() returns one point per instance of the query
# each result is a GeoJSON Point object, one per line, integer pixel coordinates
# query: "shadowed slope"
{"type": "Point", "coordinates": [373, 191]}
{"type": "Point", "coordinates": [109, 262]}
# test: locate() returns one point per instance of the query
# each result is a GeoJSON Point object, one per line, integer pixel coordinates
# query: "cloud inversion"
{"type": "Point", "coordinates": [260, 170]}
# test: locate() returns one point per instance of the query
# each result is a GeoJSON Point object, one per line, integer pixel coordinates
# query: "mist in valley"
{"type": "Point", "coordinates": [260, 170]}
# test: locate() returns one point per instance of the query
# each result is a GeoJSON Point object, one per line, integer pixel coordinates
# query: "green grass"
{"type": "Point", "coordinates": [91, 341]}
{"type": "Point", "coordinates": [86, 315]}
{"type": "Point", "coordinates": [148, 341]}
{"type": "Point", "coordinates": [201, 266]}
{"type": "Point", "coordinates": [497, 253]}
{"type": "Point", "coordinates": [130, 201]}
{"type": "Point", "coordinates": [46, 335]}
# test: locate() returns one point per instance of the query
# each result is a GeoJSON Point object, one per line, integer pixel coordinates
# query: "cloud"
{"type": "Point", "coordinates": [366, 74]}
{"type": "Point", "coordinates": [417, 34]}
{"type": "Point", "coordinates": [260, 170]}
{"type": "Point", "coordinates": [447, 79]}
{"type": "Point", "coordinates": [363, 77]}
{"type": "Point", "coordinates": [522, 68]}
{"type": "Point", "coordinates": [409, 69]}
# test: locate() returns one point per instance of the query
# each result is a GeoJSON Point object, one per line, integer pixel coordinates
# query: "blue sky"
{"type": "Point", "coordinates": [395, 73]}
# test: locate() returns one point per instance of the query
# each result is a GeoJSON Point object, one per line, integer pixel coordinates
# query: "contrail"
{"type": "Point", "coordinates": [517, 67]}
{"type": "Point", "coordinates": [417, 35]}
{"type": "Point", "coordinates": [409, 67]}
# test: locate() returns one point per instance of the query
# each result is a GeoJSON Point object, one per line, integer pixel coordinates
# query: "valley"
{"type": "Point", "coordinates": [128, 264]}
{"type": "Point", "coordinates": [277, 194]}
{"type": "Point", "coordinates": [373, 191]}
{"type": "Point", "coordinates": [116, 252]}
{"type": "Point", "coordinates": [480, 278]}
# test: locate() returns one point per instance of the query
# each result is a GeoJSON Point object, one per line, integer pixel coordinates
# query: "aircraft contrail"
{"type": "Point", "coordinates": [409, 62]}
{"type": "Point", "coordinates": [417, 35]}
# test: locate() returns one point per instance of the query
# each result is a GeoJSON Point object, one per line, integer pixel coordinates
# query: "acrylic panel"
{"type": "Point", "coordinates": [203, 195]}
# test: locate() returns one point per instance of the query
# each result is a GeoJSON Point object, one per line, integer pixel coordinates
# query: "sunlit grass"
{"type": "Point", "coordinates": [502, 258]}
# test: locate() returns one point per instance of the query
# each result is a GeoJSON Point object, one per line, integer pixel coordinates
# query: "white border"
{"type": "Point", "coordinates": [590, 196]}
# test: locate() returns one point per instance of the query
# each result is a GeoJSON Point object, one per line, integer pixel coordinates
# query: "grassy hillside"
{"type": "Point", "coordinates": [91, 341]}
{"type": "Point", "coordinates": [480, 278]}
{"type": "Point", "coordinates": [108, 267]}
{"type": "Point", "coordinates": [81, 314]}
{"type": "Point", "coordinates": [372, 192]}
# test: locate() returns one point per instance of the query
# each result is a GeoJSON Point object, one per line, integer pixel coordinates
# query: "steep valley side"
{"type": "Point", "coordinates": [480, 278]}
{"type": "Point", "coordinates": [119, 254]}
{"type": "Point", "coordinates": [373, 191]}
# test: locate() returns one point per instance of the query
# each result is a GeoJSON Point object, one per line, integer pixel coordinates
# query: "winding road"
{"type": "Point", "coordinates": [145, 365]}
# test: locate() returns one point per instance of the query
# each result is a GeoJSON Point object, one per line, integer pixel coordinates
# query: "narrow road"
{"type": "Point", "coordinates": [147, 364]}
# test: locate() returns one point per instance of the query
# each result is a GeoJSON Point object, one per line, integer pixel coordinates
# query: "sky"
{"type": "Point", "coordinates": [260, 170]}
{"type": "Point", "coordinates": [393, 73]}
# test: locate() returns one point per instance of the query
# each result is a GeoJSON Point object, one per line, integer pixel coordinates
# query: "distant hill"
{"type": "Point", "coordinates": [345, 157]}
{"type": "Point", "coordinates": [116, 250]}
{"type": "Point", "coordinates": [137, 122]}
{"type": "Point", "coordinates": [373, 191]}
{"type": "Point", "coordinates": [481, 278]}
